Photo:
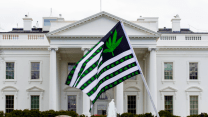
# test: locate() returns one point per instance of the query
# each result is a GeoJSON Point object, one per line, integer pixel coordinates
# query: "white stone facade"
{"type": "Point", "coordinates": [67, 41]}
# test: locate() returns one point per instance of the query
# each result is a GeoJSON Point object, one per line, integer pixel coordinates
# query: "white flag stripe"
{"type": "Point", "coordinates": [108, 72]}
{"type": "Point", "coordinates": [108, 62]}
{"type": "Point", "coordinates": [101, 58]}
{"type": "Point", "coordinates": [87, 77]}
{"type": "Point", "coordinates": [133, 69]}
{"type": "Point", "coordinates": [90, 63]}
{"type": "Point", "coordinates": [81, 62]}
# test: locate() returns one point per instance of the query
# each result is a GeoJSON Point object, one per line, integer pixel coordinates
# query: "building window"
{"type": "Point", "coordinates": [35, 70]}
{"type": "Point", "coordinates": [103, 96]}
{"type": "Point", "coordinates": [70, 67]}
{"type": "Point", "coordinates": [72, 102]}
{"type": "Point", "coordinates": [193, 105]}
{"type": "Point", "coordinates": [47, 22]}
{"type": "Point", "coordinates": [9, 103]}
{"type": "Point", "coordinates": [132, 104]}
{"type": "Point", "coordinates": [35, 102]}
{"type": "Point", "coordinates": [168, 70]}
{"type": "Point", "coordinates": [9, 70]}
{"type": "Point", "coordinates": [101, 109]}
{"type": "Point", "coordinates": [169, 103]}
{"type": "Point", "coordinates": [193, 71]}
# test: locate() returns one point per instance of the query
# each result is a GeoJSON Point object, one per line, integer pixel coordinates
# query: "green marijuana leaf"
{"type": "Point", "coordinates": [112, 44]}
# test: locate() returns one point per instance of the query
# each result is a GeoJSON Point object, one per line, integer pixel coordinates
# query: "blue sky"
{"type": "Point", "coordinates": [193, 13]}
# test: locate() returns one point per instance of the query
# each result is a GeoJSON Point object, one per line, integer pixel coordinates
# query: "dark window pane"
{"type": "Point", "coordinates": [193, 71]}
{"type": "Point", "coordinates": [35, 102]}
{"type": "Point", "coordinates": [10, 70]}
{"type": "Point", "coordinates": [193, 105]}
{"type": "Point", "coordinates": [168, 70]}
{"type": "Point", "coordinates": [9, 103]}
{"type": "Point", "coordinates": [35, 70]}
{"type": "Point", "coordinates": [72, 103]}
{"type": "Point", "coordinates": [132, 104]}
{"type": "Point", "coordinates": [169, 103]}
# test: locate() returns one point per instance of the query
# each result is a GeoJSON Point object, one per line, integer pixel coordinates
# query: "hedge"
{"type": "Point", "coordinates": [36, 113]}
{"type": "Point", "coordinates": [200, 115]}
{"type": "Point", "coordinates": [52, 113]}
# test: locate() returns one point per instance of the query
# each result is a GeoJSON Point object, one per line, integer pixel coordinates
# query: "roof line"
{"type": "Point", "coordinates": [97, 15]}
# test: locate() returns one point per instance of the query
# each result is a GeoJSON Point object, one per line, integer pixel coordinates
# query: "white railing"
{"type": "Point", "coordinates": [173, 37]}
{"type": "Point", "coordinates": [10, 36]}
{"type": "Point", "coordinates": [193, 37]}
{"type": "Point", "coordinates": [35, 37]}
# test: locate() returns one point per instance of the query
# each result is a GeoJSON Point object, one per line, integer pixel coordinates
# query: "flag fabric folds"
{"type": "Point", "coordinates": [110, 62]}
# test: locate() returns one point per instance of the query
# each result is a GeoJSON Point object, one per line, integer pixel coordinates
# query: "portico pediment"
{"type": "Point", "coordinates": [98, 25]}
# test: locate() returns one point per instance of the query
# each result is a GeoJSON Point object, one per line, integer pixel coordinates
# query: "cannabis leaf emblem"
{"type": "Point", "coordinates": [111, 45]}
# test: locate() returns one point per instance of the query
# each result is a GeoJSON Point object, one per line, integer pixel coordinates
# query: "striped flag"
{"type": "Point", "coordinates": [110, 62]}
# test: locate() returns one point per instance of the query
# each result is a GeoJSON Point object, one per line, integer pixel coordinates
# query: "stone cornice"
{"type": "Point", "coordinates": [77, 37]}
{"type": "Point", "coordinates": [23, 47]}
{"type": "Point", "coordinates": [183, 48]}
{"type": "Point", "coordinates": [100, 14]}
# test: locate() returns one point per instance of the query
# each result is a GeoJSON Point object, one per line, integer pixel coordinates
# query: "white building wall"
{"type": "Point", "coordinates": [22, 81]}
{"type": "Point", "coordinates": [181, 82]}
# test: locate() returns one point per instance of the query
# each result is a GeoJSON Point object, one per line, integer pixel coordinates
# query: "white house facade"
{"type": "Point", "coordinates": [35, 62]}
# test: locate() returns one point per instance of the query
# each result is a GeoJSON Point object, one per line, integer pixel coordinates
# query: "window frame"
{"type": "Point", "coordinates": [71, 91]}
{"type": "Point", "coordinates": [138, 100]}
{"type": "Point", "coordinates": [30, 71]}
{"type": "Point", "coordinates": [163, 80]}
{"type": "Point", "coordinates": [35, 91]}
{"type": "Point", "coordinates": [15, 71]}
{"type": "Point", "coordinates": [188, 75]}
{"type": "Point", "coordinates": [10, 90]}
{"type": "Point", "coordinates": [193, 91]}
{"type": "Point", "coordinates": [168, 91]}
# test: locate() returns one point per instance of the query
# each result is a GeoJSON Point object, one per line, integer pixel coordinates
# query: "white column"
{"type": "Point", "coordinates": [119, 98]}
{"type": "Point", "coordinates": [152, 80]}
{"type": "Point", "coordinates": [86, 100]}
{"type": "Point", "coordinates": [52, 81]}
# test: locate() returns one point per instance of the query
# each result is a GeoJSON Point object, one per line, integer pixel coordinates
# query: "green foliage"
{"type": "Point", "coordinates": [1, 113]}
{"type": "Point", "coordinates": [200, 115]}
{"type": "Point", "coordinates": [127, 115]}
{"type": "Point", "coordinates": [140, 115]}
{"type": "Point", "coordinates": [164, 113]}
{"type": "Point", "coordinates": [111, 45]}
{"type": "Point", "coordinates": [36, 113]}
{"type": "Point", "coordinates": [82, 116]}
{"type": "Point", "coordinates": [98, 115]}
{"type": "Point", "coordinates": [149, 115]}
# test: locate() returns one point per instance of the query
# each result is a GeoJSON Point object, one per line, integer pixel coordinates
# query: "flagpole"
{"type": "Point", "coordinates": [143, 78]}
{"type": "Point", "coordinates": [100, 5]}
